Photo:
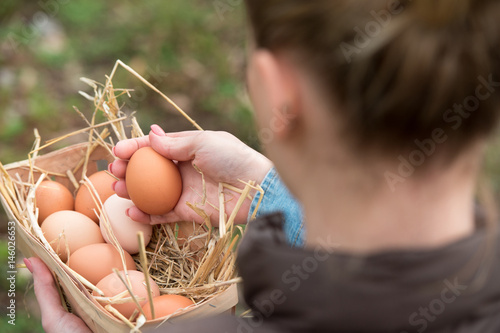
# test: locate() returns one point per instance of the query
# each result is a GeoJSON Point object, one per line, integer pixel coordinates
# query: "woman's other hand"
{"type": "Point", "coordinates": [54, 318]}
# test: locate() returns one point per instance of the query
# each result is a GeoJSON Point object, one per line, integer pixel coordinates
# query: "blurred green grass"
{"type": "Point", "coordinates": [186, 48]}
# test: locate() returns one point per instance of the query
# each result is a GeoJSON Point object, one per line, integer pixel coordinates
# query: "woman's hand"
{"type": "Point", "coordinates": [221, 157]}
{"type": "Point", "coordinates": [54, 318]}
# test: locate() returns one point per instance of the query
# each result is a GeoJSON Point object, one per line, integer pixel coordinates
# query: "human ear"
{"type": "Point", "coordinates": [274, 91]}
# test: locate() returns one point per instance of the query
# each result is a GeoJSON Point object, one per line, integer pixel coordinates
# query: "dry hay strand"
{"type": "Point", "coordinates": [183, 258]}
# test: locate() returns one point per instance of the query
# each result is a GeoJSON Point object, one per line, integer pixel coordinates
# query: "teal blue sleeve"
{"type": "Point", "coordinates": [277, 198]}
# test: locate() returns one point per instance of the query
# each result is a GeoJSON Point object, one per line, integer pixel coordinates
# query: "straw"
{"type": "Point", "coordinates": [144, 263]}
{"type": "Point", "coordinates": [128, 285]}
{"type": "Point", "coordinates": [193, 260]}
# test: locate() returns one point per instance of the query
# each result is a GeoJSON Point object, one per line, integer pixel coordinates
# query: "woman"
{"type": "Point", "coordinates": [376, 115]}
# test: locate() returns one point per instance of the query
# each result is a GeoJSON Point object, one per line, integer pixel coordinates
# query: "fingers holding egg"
{"type": "Point", "coordinates": [126, 148]}
{"type": "Point", "coordinates": [171, 217]}
{"type": "Point", "coordinates": [119, 168]}
{"type": "Point", "coordinates": [139, 216]}
{"type": "Point", "coordinates": [121, 189]}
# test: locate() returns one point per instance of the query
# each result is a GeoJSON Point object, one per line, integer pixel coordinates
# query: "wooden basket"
{"type": "Point", "coordinates": [80, 300]}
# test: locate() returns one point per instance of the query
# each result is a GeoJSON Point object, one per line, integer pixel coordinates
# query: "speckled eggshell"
{"type": "Point", "coordinates": [70, 230]}
{"type": "Point", "coordinates": [124, 228]}
{"type": "Point", "coordinates": [111, 285]}
{"type": "Point", "coordinates": [84, 203]}
{"type": "Point", "coordinates": [153, 182]}
{"type": "Point", "coordinates": [52, 197]}
{"type": "Point", "coordinates": [94, 262]}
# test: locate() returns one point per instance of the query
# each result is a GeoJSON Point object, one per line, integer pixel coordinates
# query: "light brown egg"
{"type": "Point", "coordinates": [84, 203]}
{"type": "Point", "coordinates": [52, 197]}
{"type": "Point", "coordinates": [111, 285]}
{"type": "Point", "coordinates": [153, 182]}
{"type": "Point", "coordinates": [124, 228]}
{"type": "Point", "coordinates": [165, 305]}
{"type": "Point", "coordinates": [94, 262]}
{"type": "Point", "coordinates": [68, 230]}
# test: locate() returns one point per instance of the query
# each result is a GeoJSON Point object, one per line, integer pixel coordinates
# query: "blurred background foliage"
{"type": "Point", "coordinates": [189, 49]}
{"type": "Point", "coordinates": [192, 50]}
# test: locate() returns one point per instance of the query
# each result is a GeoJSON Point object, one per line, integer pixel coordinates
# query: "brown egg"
{"type": "Point", "coordinates": [84, 203]}
{"type": "Point", "coordinates": [94, 262]}
{"type": "Point", "coordinates": [52, 197]}
{"type": "Point", "coordinates": [68, 230]}
{"type": "Point", "coordinates": [111, 285]}
{"type": "Point", "coordinates": [165, 305]}
{"type": "Point", "coordinates": [153, 182]}
{"type": "Point", "coordinates": [186, 230]}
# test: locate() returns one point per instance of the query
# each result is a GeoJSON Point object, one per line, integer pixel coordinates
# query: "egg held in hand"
{"type": "Point", "coordinates": [153, 182]}
{"type": "Point", "coordinates": [111, 285]}
{"type": "Point", "coordinates": [124, 228]}
{"type": "Point", "coordinates": [165, 305]}
{"type": "Point", "coordinates": [84, 201]}
{"type": "Point", "coordinates": [52, 197]}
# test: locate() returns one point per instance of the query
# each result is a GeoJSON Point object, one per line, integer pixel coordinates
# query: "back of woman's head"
{"type": "Point", "coordinates": [401, 70]}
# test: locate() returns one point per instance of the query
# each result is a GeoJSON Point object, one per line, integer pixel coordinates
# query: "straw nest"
{"type": "Point", "coordinates": [183, 258]}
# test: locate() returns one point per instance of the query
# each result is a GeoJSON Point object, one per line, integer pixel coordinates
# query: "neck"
{"type": "Point", "coordinates": [360, 213]}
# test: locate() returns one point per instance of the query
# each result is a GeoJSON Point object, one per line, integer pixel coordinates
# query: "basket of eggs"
{"type": "Point", "coordinates": [114, 273]}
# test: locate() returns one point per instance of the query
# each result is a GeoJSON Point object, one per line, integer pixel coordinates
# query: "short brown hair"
{"type": "Point", "coordinates": [400, 69]}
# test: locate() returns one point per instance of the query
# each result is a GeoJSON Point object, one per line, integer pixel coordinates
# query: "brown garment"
{"type": "Point", "coordinates": [455, 288]}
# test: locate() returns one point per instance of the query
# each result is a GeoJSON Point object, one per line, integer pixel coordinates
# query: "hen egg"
{"type": "Point", "coordinates": [95, 261]}
{"type": "Point", "coordinates": [153, 182]}
{"type": "Point", "coordinates": [111, 285]}
{"type": "Point", "coordinates": [84, 203]}
{"type": "Point", "coordinates": [124, 228]}
{"type": "Point", "coordinates": [165, 305]}
{"type": "Point", "coordinates": [52, 197]}
{"type": "Point", "coordinates": [186, 230]}
{"type": "Point", "coordinates": [69, 231]}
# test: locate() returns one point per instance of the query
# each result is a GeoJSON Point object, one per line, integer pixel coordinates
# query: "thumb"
{"type": "Point", "coordinates": [180, 148]}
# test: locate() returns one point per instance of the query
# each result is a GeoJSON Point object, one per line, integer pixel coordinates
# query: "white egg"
{"type": "Point", "coordinates": [124, 228]}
